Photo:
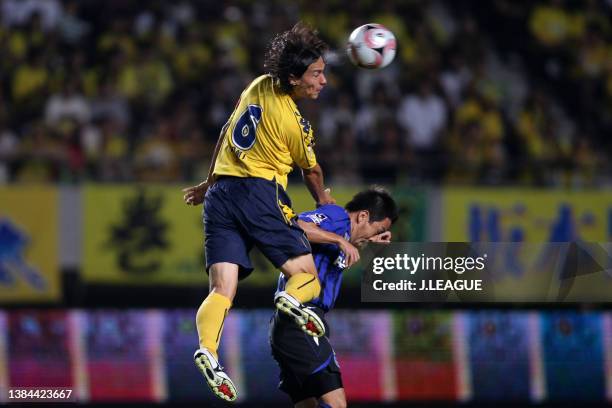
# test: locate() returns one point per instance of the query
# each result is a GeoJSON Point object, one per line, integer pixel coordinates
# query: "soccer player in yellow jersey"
{"type": "Point", "coordinates": [244, 196]}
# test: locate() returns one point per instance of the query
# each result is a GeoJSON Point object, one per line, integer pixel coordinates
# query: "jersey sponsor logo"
{"type": "Point", "coordinates": [305, 125]}
{"type": "Point", "coordinates": [317, 218]}
{"type": "Point", "coordinates": [340, 261]}
{"type": "Point", "coordinates": [287, 211]}
{"type": "Point", "coordinates": [309, 142]}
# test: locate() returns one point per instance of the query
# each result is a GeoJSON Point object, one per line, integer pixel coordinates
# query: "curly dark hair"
{"type": "Point", "coordinates": [291, 52]}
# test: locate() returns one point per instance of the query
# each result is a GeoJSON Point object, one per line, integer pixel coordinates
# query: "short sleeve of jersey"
{"type": "Point", "coordinates": [300, 140]}
{"type": "Point", "coordinates": [330, 217]}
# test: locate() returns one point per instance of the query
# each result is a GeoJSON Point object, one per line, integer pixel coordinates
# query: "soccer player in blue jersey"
{"type": "Point", "coordinates": [245, 203]}
{"type": "Point", "coordinates": [312, 379]}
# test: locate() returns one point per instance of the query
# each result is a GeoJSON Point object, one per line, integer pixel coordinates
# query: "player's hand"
{"type": "Point", "coordinates": [382, 238]}
{"type": "Point", "coordinates": [195, 195]}
{"type": "Point", "coordinates": [326, 198]}
{"type": "Point", "coordinates": [350, 252]}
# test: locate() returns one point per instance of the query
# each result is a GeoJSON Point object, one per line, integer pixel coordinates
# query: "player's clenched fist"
{"type": "Point", "coordinates": [383, 238]}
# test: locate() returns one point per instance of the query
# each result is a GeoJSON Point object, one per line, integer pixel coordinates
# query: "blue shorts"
{"type": "Point", "coordinates": [240, 212]}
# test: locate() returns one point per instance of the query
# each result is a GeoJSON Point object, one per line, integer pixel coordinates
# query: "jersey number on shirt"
{"type": "Point", "coordinates": [244, 131]}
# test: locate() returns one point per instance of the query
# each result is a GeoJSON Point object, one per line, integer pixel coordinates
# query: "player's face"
{"type": "Point", "coordinates": [310, 84]}
{"type": "Point", "coordinates": [364, 229]}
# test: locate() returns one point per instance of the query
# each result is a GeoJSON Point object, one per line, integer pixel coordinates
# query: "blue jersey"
{"type": "Point", "coordinates": [329, 260]}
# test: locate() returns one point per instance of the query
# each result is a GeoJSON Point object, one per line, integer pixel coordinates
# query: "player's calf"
{"type": "Point", "coordinates": [217, 380]}
{"type": "Point", "coordinates": [308, 320]}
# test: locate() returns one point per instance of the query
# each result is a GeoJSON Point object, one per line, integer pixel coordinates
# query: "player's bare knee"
{"type": "Point", "coordinates": [340, 404]}
{"type": "Point", "coordinates": [335, 403]}
{"type": "Point", "coordinates": [224, 279]}
{"type": "Point", "coordinates": [299, 264]}
{"type": "Point", "coordinates": [309, 270]}
{"type": "Point", "coordinates": [334, 399]}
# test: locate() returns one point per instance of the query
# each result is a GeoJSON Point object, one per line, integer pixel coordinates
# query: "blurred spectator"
{"type": "Point", "coordinates": [113, 161]}
{"type": "Point", "coordinates": [341, 114]}
{"type": "Point", "coordinates": [18, 12]}
{"type": "Point", "coordinates": [586, 163]}
{"type": "Point", "coordinates": [156, 158]}
{"type": "Point", "coordinates": [30, 82]}
{"type": "Point", "coordinates": [147, 81]}
{"type": "Point", "coordinates": [119, 69]}
{"type": "Point", "coordinates": [193, 58]}
{"type": "Point", "coordinates": [367, 81]}
{"type": "Point", "coordinates": [341, 161]}
{"type": "Point", "coordinates": [593, 57]}
{"type": "Point", "coordinates": [385, 159]}
{"type": "Point", "coordinates": [373, 116]}
{"type": "Point", "coordinates": [73, 160]}
{"type": "Point", "coordinates": [41, 156]}
{"type": "Point", "coordinates": [110, 105]}
{"type": "Point", "coordinates": [71, 27]}
{"type": "Point", "coordinates": [535, 127]}
{"type": "Point", "coordinates": [481, 109]}
{"type": "Point", "coordinates": [552, 24]}
{"type": "Point", "coordinates": [9, 148]}
{"type": "Point", "coordinates": [454, 80]}
{"type": "Point", "coordinates": [68, 104]}
{"type": "Point", "coordinates": [422, 117]}
{"type": "Point", "coordinates": [469, 41]}
{"type": "Point", "coordinates": [466, 151]}
{"type": "Point", "coordinates": [194, 154]}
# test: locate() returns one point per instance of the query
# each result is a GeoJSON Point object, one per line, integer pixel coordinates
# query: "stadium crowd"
{"type": "Point", "coordinates": [493, 93]}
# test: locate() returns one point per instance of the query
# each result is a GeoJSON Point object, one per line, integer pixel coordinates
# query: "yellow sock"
{"type": "Point", "coordinates": [210, 319]}
{"type": "Point", "coordinates": [303, 287]}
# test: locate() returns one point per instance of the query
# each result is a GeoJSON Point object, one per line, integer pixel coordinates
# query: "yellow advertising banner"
{"type": "Point", "coordinates": [29, 266]}
{"type": "Point", "coordinates": [147, 235]}
{"type": "Point", "coordinates": [529, 215]}
{"type": "Point", "coordinates": [535, 221]}
{"type": "Point", "coordinates": [141, 235]}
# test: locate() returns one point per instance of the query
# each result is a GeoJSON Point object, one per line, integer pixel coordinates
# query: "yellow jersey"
{"type": "Point", "coordinates": [266, 135]}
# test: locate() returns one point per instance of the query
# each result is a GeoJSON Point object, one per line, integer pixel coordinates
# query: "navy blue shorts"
{"type": "Point", "coordinates": [240, 212]}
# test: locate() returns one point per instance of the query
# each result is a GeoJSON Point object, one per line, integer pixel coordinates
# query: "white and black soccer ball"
{"type": "Point", "coordinates": [371, 46]}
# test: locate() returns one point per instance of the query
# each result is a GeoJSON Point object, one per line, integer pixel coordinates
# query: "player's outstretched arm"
{"type": "Point", "coordinates": [318, 235]}
{"type": "Point", "coordinates": [313, 178]}
{"type": "Point", "coordinates": [195, 195]}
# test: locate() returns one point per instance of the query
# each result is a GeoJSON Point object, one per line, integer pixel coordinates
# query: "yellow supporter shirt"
{"type": "Point", "coordinates": [266, 136]}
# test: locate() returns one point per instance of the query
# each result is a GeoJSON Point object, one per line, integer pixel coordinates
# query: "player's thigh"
{"type": "Point", "coordinates": [225, 240]}
{"type": "Point", "coordinates": [224, 278]}
{"type": "Point", "coordinates": [228, 245]}
{"type": "Point", "coordinates": [335, 398]}
{"type": "Point", "coordinates": [307, 403]}
{"type": "Point", "coordinates": [299, 264]}
{"type": "Point", "coordinates": [269, 221]}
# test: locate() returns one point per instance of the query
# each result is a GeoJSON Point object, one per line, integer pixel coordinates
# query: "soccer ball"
{"type": "Point", "coordinates": [371, 46]}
